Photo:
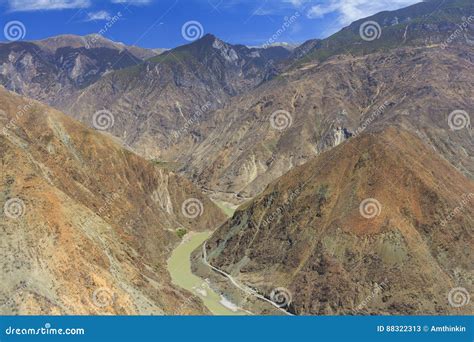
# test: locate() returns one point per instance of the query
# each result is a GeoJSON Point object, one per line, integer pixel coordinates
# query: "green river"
{"type": "Point", "coordinates": [179, 266]}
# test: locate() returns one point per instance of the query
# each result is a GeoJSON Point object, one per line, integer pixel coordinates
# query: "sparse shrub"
{"type": "Point", "coordinates": [181, 232]}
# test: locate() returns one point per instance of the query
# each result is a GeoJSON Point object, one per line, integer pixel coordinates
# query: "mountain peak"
{"type": "Point", "coordinates": [208, 36]}
{"type": "Point", "coordinates": [76, 41]}
{"type": "Point", "coordinates": [204, 47]}
{"type": "Point", "coordinates": [209, 40]}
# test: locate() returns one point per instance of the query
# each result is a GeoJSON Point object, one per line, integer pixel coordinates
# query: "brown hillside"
{"type": "Point", "coordinates": [306, 231]}
{"type": "Point", "coordinates": [84, 220]}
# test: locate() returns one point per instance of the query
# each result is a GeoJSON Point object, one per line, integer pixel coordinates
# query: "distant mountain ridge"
{"type": "Point", "coordinates": [165, 92]}
{"type": "Point", "coordinates": [56, 69]}
{"type": "Point", "coordinates": [92, 41]}
{"type": "Point", "coordinates": [424, 23]}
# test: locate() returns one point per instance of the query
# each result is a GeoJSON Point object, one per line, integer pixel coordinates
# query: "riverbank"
{"type": "Point", "coordinates": [179, 267]}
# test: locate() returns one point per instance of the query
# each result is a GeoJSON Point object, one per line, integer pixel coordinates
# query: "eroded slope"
{"type": "Point", "coordinates": [86, 226]}
{"type": "Point", "coordinates": [378, 225]}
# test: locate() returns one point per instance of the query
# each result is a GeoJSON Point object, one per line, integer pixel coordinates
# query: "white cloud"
{"type": "Point", "coordinates": [36, 5]}
{"type": "Point", "coordinates": [296, 3]}
{"type": "Point", "coordinates": [100, 15]}
{"type": "Point", "coordinates": [349, 11]}
{"type": "Point", "coordinates": [132, 2]}
{"type": "Point", "coordinates": [45, 5]}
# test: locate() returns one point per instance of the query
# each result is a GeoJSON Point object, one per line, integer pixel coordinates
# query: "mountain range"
{"type": "Point", "coordinates": [56, 69]}
{"type": "Point", "coordinates": [302, 142]}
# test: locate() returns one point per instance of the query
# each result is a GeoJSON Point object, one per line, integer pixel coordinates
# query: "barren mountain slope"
{"type": "Point", "coordinates": [157, 102]}
{"type": "Point", "coordinates": [416, 73]}
{"type": "Point", "coordinates": [424, 23]}
{"type": "Point", "coordinates": [377, 225]}
{"type": "Point", "coordinates": [86, 226]}
{"type": "Point", "coordinates": [54, 70]}
{"type": "Point", "coordinates": [285, 122]}
{"type": "Point", "coordinates": [93, 41]}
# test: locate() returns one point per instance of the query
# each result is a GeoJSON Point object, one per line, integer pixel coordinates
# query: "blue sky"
{"type": "Point", "coordinates": [159, 23]}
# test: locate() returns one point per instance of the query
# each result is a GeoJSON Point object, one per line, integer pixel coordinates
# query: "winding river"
{"type": "Point", "coordinates": [179, 266]}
